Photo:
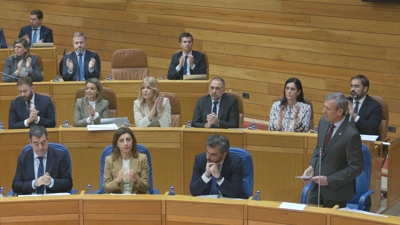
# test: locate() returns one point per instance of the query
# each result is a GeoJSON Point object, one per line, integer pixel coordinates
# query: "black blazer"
{"type": "Point", "coordinates": [370, 116]}
{"type": "Point", "coordinates": [3, 43]}
{"type": "Point", "coordinates": [199, 61]}
{"type": "Point", "coordinates": [232, 171]}
{"type": "Point", "coordinates": [18, 112]}
{"type": "Point", "coordinates": [75, 73]}
{"type": "Point", "coordinates": [45, 33]}
{"type": "Point", "coordinates": [228, 112]}
{"type": "Point", "coordinates": [342, 161]}
{"type": "Point", "coordinates": [57, 166]}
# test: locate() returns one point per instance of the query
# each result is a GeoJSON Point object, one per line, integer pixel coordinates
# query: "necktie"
{"type": "Point", "coordinates": [185, 65]}
{"type": "Point", "coordinates": [40, 190]}
{"type": "Point", "coordinates": [34, 36]}
{"type": "Point", "coordinates": [355, 112]}
{"type": "Point", "coordinates": [81, 74]}
{"type": "Point", "coordinates": [329, 136]}
{"type": "Point", "coordinates": [214, 185]}
{"type": "Point", "coordinates": [214, 110]}
{"type": "Point", "coordinates": [28, 105]}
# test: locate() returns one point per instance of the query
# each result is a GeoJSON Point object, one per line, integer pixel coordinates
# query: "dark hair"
{"type": "Point", "coordinates": [24, 43]}
{"type": "Point", "coordinates": [38, 13]}
{"type": "Point", "coordinates": [185, 34]}
{"type": "Point", "coordinates": [37, 131]}
{"type": "Point", "coordinates": [116, 152]}
{"type": "Point", "coordinates": [219, 78]}
{"type": "Point", "coordinates": [25, 80]}
{"type": "Point", "coordinates": [220, 141]}
{"type": "Point", "coordinates": [364, 80]}
{"type": "Point", "coordinates": [300, 97]}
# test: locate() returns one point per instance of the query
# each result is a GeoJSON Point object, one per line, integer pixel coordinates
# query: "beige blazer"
{"type": "Point", "coordinates": [141, 119]}
{"type": "Point", "coordinates": [81, 114]}
{"type": "Point", "coordinates": [112, 168]}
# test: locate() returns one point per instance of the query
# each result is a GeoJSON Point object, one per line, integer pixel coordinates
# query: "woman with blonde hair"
{"type": "Point", "coordinates": [151, 109]}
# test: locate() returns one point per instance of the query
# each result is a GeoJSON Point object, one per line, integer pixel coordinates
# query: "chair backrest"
{"type": "Point", "coordinates": [248, 173]}
{"type": "Point", "coordinates": [54, 103]}
{"type": "Point", "coordinates": [108, 95]}
{"type": "Point", "coordinates": [383, 127]}
{"type": "Point", "coordinates": [241, 108]}
{"type": "Point", "coordinates": [40, 62]}
{"type": "Point", "coordinates": [363, 180]}
{"type": "Point", "coordinates": [311, 125]}
{"type": "Point", "coordinates": [175, 109]}
{"type": "Point", "coordinates": [129, 64]}
{"type": "Point", "coordinates": [108, 150]}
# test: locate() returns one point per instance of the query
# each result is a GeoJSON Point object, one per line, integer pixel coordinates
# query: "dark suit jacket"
{"type": "Point", "coordinates": [3, 43]}
{"type": "Point", "coordinates": [370, 116]}
{"type": "Point", "coordinates": [342, 161]}
{"type": "Point", "coordinates": [18, 112]}
{"type": "Point", "coordinates": [57, 166]}
{"type": "Point", "coordinates": [45, 33]}
{"type": "Point", "coordinates": [11, 65]}
{"type": "Point", "coordinates": [75, 73]}
{"type": "Point", "coordinates": [228, 114]}
{"type": "Point", "coordinates": [232, 171]}
{"type": "Point", "coordinates": [199, 61]}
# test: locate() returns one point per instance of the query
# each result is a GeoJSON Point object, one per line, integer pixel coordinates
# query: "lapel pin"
{"type": "Point", "coordinates": [340, 134]}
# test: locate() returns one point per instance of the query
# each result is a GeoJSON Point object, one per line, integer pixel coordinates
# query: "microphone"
{"type": "Point", "coordinates": [8, 75]}
{"type": "Point", "coordinates": [319, 175]}
{"type": "Point", "coordinates": [65, 49]}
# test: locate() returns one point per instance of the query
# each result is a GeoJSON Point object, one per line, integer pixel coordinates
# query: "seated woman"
{"type": "Point", "coordinates": [126, 171]}
{"type": "Point", "coordinates": [91, 108]}
{"type": "Point", "coordinates": [291, 114]}
{"type": "Point", "coordinates": [151, 109]}
{"type": "Point", "coordinates": [22, 63]}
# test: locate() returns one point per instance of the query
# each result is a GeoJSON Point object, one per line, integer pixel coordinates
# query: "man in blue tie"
{"type": "Point", "coordinates": [217, 171]}
{"type": "Point", "coordinates": [42, 169]}
{"type": "Point", "coordinates": [36, 32]}
{"type": "Point", "coordinates": [364, 112]}
{"type": "Point", "coordinates": [187, 61]}
{"type": "Point", "coordinates": [81, 64]}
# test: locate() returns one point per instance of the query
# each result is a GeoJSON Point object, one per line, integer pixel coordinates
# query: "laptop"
{"type": "Point", "coordinates": [118, 121]}
{"type": "Point", "coordinates": [195, 77]}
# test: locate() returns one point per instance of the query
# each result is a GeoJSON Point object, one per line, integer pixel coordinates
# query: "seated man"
{"type": "Point", "coordinates": [42, 169]}
{"type": "Point", "coordinates": [30, 108]}
{"type": "Point", "coordinates": [217, 171]}
{"type": "Point", "coordinates": [3, 43]}
{"type": "Point", "coordinates": [36, 32]}
{"type": "Point", "coordinates": [81, 64]}
{"type": "Point", "coordinates": [217, 109]}
{"type": "Point", "coordinates": [187, 61]}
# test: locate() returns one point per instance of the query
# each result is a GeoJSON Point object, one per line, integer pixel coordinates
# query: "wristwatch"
{"type": "Point", "coordinates": [219, 178]}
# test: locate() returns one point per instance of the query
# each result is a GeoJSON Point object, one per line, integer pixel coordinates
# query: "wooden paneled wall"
{"type": "Point", "coordinates": [255, 45]}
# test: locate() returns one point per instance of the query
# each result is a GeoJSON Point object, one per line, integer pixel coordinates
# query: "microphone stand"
{"type": "Point", "coordinates": [8, 75]}
{"type": "Point", "coordinates": [319, 176]}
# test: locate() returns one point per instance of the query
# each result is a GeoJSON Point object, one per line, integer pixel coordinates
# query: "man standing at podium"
{"type": "Point", "coordinates": [339, 146]}
{"type": "Point", "coordinates": [42, 169]}
{"type": "Point", "coordinates": [187, 61]}
{"type": "Point", "coordinates": [81, 64]}
{"type": "Point", "coordinates": [217, 171]}
{"type": "Point", "coordinates": [36, 32]}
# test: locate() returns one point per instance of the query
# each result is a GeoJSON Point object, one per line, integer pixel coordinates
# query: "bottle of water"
{"type": "Point", "coordinates": [109, 77]}
{"type": "Point", "coordinates": [162, 77]}
{"type": "Point", "coordinates": [253, 126]}
{"type": "Point", "coordinates": [1, 126]}
{"type": "Point", "coordinates": [57, 78]}
{"type": "Point", "coordinates": [258, 196]}
{"type": "Point", "coordinates": [89, 189]}
{"type": "Point", "coordinates": [172, 192]}
{"type": "Point", "coordinates": [189, 125]}
{"type": "Point", "coordinates": [66, 124]}
{"type": "Point", "coordinates": [3, 193]}
{"type": "Point", "coordinates": [3, 79]}
{"type": "Point", "coordinates": [12, 46]}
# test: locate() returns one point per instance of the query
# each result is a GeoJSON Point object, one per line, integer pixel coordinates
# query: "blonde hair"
{"type": "Point", "coordinates": [99, 87]}
{"type": "Point", "coordinates": [152, 82]}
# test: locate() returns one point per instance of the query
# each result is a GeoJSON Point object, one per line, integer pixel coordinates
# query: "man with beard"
{"type": "Point", "coordinates": [364, 112]}
{"type": "Point", "coordinates": [187, 61]}
{"type": "Point", "coordinates": [217, 171]}
{"type": "Point", "coordinates": [42, 169]}
{"type": "Point", "coordinates": [81, 64]}
{"type": "Point", "coordinates": [30, 108]}
{"type": "Point", "coordinates": [217, 109]}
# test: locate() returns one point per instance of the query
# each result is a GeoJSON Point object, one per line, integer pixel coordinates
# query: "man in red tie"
{"type": "Point", "coordinates": [341, 156]}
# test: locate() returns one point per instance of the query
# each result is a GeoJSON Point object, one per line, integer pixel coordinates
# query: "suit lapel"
{"type": "Point", "coordinates": [364, 106]}
{"type": "Point", "coordinates": [223, 103]}
{"type": "Point", "coordinates": [86, 61]}
{"type": "Point", "coordinates": [24, 110]}
{"type": "Point", "coordinates": [337, 136]}
{"type": "Point", "coordinates": [50, 160]}
{"type": "Point", "coordinates": [74, 59]}
{"type": "Point", "coordinates": [133, 164]}
{"type": "Point", "coordinates": [208, 105]}
{"type": "Point", "coordinates": [30, 160]}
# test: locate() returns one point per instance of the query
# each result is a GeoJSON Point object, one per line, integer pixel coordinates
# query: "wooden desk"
{"type": "Point", "coordinates": [62, 210]}
{"type": "Point", "coordinates": [48, 56]}
{"type": "Point", "coordinates": [339, 217]}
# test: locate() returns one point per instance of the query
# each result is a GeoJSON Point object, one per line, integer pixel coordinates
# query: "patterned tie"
{"type": "Point", "coordinates": [214, 110]}
{"type": "Point", "coordinates": [40, 190]}
{"type": "Point", "coordinates": [185, 66]}
{"type": "Point", "coordinates": [81, 73]}
{"type": "Point", "coordinates": [28, 105]}
{"type": "Point", "coordinates": [329, 136]}
{"type": "Point", "coordinates": [34, 36]}
{"type": "Point", "coordinates": [355, 113]}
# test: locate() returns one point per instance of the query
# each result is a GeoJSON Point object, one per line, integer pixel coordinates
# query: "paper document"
{"type": "Point", "coordinates": [99, 127]}
{"type": "Point", "coordinates": [363, 212]}
{"type": "Point", "coordinates": [303, 177]}
{"type": "Point", "coordinates": [294, 206]}
{"type": "Point", "coordinates": [365, 137]}
{"type": "Point", "coordinates": [51, 194]}
{"type": "Point", "coordinates": [121, 194]}
{"type": "Point", "coordinates": [207, 196]}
